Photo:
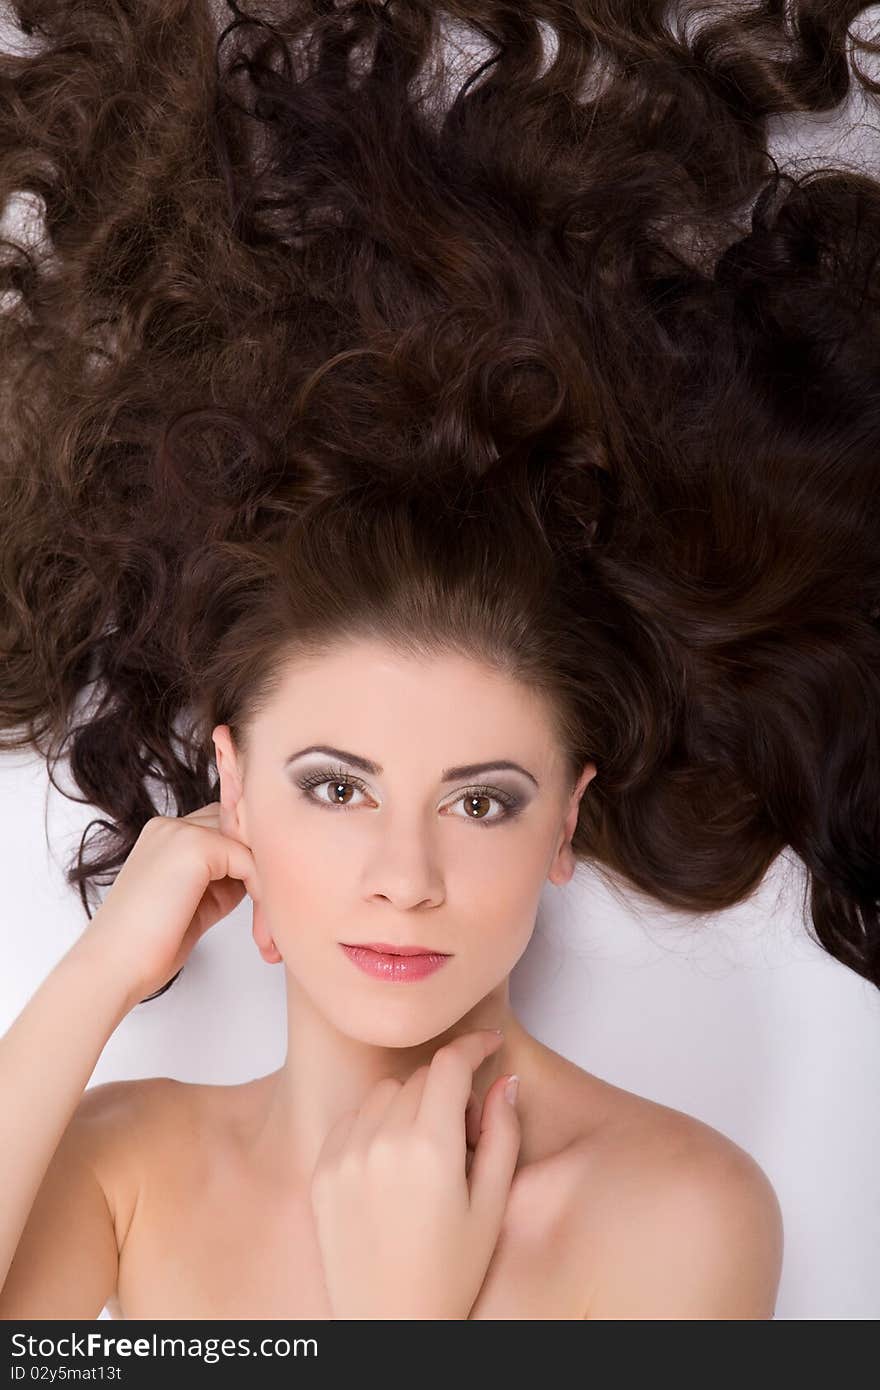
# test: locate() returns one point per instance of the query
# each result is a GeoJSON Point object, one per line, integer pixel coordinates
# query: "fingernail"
{"type": "Point", "coordinates": [510, 1089]}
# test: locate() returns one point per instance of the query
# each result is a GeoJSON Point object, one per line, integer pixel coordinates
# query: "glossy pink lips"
{"type": "Point", "coordinates": [382, 965]}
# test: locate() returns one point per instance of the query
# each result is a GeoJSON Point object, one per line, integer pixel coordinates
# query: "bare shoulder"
{"type": "Point", "coordinates": [120, 1126]}
{"type": "Point", "coordinates": [146, 1107]}
{"type": "Point", "coordinates": [116, 1114]}
{"type": "Point", "coordinates": [677, 1220]}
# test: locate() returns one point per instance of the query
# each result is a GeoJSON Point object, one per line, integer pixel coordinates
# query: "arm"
{"type": "Point", "coordinates": [54, 1220]}
{"type": "Point", "coordinates": [58, 1250]}
{"type": "Point", "coordinates": [703, 1241]}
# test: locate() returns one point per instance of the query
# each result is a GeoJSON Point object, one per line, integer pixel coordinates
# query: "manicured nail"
{"type": "Point", "coordinates": [510, 1089]}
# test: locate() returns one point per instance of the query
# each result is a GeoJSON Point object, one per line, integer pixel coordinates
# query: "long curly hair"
{"type": "Point", "coordinates": [310, 330]}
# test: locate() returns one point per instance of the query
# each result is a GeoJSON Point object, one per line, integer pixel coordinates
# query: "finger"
{"type": "Point", "coordinates": [404, 1108]}
{"type": "Point", "coordinates": [228, 858]}
{"type": "Point", "coordinates": [450, 1079]}
{"type": "Point", "coordinates": [373, 1111]}
{"type": "Point", "coordinates": [336, 1137]}
{"type": "Point", "coordinates": [494, 1160]}
{"type": "Point", "coordinates": [197, 818]}
{"type": "Point", "coordinates": [472, 1120]}
{"type": "Point", "coordinates": [205, 815]}
{"type": "Point", "coordinates": [225, 895]}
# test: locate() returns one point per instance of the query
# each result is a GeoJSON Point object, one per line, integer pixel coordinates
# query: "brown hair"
{"type": "Point", "coordinates": [564, 373]}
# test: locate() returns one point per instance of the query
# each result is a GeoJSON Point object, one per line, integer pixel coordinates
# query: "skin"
{"type": "Point", "coordinates": [402, 862]}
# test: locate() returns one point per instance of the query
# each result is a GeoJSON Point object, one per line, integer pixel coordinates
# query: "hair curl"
{"type": "Point", "coordinates": [564, 373]}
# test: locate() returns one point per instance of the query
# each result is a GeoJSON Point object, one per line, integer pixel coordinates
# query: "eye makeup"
{"type": "Point", "coordinates": [449, 774]}
{"type": "Point", "coordinates": [511, 803]}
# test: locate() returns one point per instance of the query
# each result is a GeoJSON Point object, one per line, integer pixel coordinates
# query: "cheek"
{"type": "Point", "coordinates": [503, 891]}
{"type": "Point", "coordinates": [298, 870]}
{"type": "Point", "coordinates": [284, 855]}
{"type": "Point", "coordinates": [302, 852]}
{"type": "Point", "coordinates": [290, 839]}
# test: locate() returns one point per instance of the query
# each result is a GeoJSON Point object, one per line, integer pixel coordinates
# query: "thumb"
{"type": "Point", "coordinates": [494, 1160]}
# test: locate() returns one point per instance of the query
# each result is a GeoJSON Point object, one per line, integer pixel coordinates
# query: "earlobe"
{"type": "Point", "coordinates": [564, 862]}
{"type": "Point", "coordinates": [563, 866]}
{"type": "Point", "coordinates": [266, 946]}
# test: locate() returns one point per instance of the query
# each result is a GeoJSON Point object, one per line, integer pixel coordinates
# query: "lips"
{"type": "Point", "coordinates": [397, 964]}
{"type": "Point", "coordinates": [387, 948]}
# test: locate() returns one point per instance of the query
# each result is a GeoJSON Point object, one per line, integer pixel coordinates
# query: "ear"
{"type": "Point", "coordinates": [265, 945]}
{"type": "Point", "coordinates": [231, 784]}
{"type": "Point", "coordinates": [563, 865]}
{"type": "Point", "coordinates": [233, 822]}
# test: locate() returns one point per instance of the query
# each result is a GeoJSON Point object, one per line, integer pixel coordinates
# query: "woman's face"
{"type": "Point", "coordinates": [421, 847]}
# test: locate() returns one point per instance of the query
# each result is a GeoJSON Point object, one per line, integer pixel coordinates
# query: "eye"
{"type": "Point", "coordinates": [474, 795]}
{"type": "Point", "coordinates": [338, 780]}
{"type": "Point", "coordinates": [335, 779]}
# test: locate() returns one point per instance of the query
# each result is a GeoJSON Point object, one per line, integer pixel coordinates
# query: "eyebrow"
{"type": "Point", "coordinates": [449, 774]}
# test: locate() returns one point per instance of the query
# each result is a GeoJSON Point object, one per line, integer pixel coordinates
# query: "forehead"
{"type": "Point", "coordinates": [368, 691]}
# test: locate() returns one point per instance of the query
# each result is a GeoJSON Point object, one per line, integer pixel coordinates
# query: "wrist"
{"type": "Point", "coordinates": [106, 969]}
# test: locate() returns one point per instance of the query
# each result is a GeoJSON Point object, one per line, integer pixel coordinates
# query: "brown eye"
{"type": "Point", "coordinates": [341, 787]}
{"type": "Point", "coordinates": [476, 800]}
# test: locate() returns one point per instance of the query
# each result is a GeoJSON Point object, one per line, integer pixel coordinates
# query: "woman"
{"type": "Point", "coordinates": [351, 761]}
{"type": "Point", "coordinates": [397, 431]}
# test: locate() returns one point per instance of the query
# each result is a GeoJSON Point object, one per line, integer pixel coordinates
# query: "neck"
{"type": "Point", "coordinates": [329, 1071]}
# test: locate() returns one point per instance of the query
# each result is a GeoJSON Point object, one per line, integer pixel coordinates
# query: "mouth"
{"type": "Point", "coordinates": [397, 964]}
{"type": "Point", "coordinates": [385, 948]}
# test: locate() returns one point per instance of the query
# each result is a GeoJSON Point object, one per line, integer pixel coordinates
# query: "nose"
{"type": "Point", "coordinates": [403, 868]}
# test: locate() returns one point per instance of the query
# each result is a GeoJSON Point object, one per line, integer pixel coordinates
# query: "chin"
{"type": "Point", "coordinates": [406, 1031]}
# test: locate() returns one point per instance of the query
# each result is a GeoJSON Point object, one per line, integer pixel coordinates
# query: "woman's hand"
{"type": "Point", "coordinates": [182, 875]}
{"type": "Point", "coordinates": [404, 1230]}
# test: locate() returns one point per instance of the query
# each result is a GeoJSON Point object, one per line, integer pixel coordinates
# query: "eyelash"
{"type": "Point", "coordinates": [512, 804]}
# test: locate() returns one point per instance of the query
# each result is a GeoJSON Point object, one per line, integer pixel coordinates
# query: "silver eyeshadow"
{"type": "Point", "coordinates": [449, 774]}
